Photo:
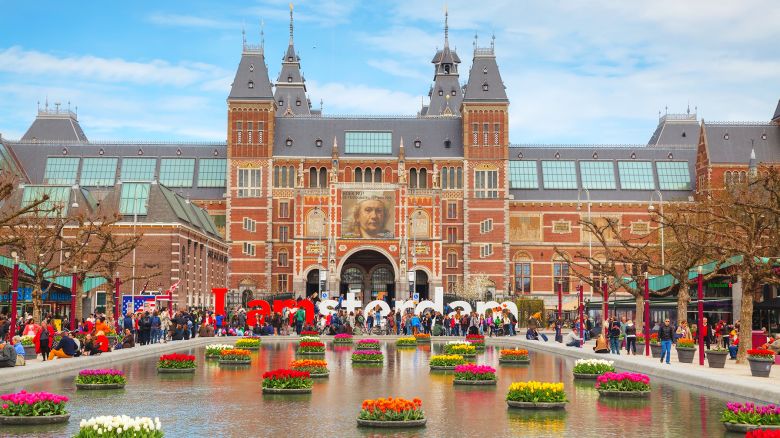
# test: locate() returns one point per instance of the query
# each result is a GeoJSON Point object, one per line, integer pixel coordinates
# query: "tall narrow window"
{"type": "Point", "coordinates": [561, 276]}
{"type": "Point", "coordinates": [452, 281]}
{"type": "Point", "coordinates": [358, 174]}
{"type": "Point", "coordinates": [523, 277]}
{"type": "Point", "coordinates": [284, 233]}
{"type": "Point", "coordinates": [485, 134]}
{"type": "Point", "coordinates": [248, 183]}
{"type": "Point", "coordinates": [423, 179]}
{"type": "Point", "coordinates": [452, 210]}
{"type": "Point", "coordinates": [239, 131]}
{"type": "Point", "coordinates": [378, 175]}
{"type": "Point", "coordinates": [452, 260]}
{"type": "Point", "coordinates": [413, 178]}
{"type": "Point", "coordinates": [282, 259]}
{"type": "Point", "coordinates": [281, 283]}
{"type": "Point", "coordinates": [291, 176]}
{"type": "Point", "coordinates": [486, 184]}
{"type": "Point", "coordinates": [459, 182]}
{"type": "Point", "coordinates": [313, 181]}
{"type": "Point", "coordinates": [284, 209]}
{"type": "Point", "coordinates": [474, 133]}
{"type": "Point", "coordinates": [367, 175]}
{"type": "Point", "coordinates": [249, 132]}
{"type": "Point", "coordinates": [444, 172]}
{"type": "Point", "coordinates": [260, 126]}
{"type": "Point", "coordinates": [323, 177]}
{"type": "Point", "coordinates": [452, 234]}
{"type": "Point", "coordinates": [496, 130]}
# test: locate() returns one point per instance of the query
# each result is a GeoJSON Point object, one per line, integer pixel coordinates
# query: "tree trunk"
{"type": "Point", "coordinates": [746, 320]}
{"type": "Point", "coordinates": [37, 301]}
{"type": "Point", "coordinates": [640, 314]}
{"type": "Point", "coordinates": [109, 310]}
{"type": "Point", "coordinates": [683, 299]}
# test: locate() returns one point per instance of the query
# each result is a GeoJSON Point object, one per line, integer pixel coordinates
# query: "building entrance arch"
{"type": "Point", "coordinates": [369, 273]}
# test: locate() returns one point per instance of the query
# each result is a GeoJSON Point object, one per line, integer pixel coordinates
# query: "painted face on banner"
{"type": "Point", "coordinates": [371, 218]}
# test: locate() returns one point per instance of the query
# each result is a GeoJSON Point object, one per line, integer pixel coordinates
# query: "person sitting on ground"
{"type": "Point", "coordinates": [602, 346]}
{"type": "Point", "coordinates": [257, 330]}
{"type": "Point", "coordinates": [571, 339]}
{"type": "Point", "coordinates": [101, 341]}
{"type": "Point", "coordinates": [90, 347]}
{"type": "Point", "coordinates": [7, 355]}
{"type": "Point", "coordinates": [19, 348]}
{"type": "Point", "coordinates": [533, 335]}
{"type": "Point", "coordinates": [128, 341]}
{"type": "Point", "coordinates": [65, 349]}
{"type": "Point", "coordinates": [774, 344]}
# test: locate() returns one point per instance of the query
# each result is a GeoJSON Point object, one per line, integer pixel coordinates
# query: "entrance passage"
{"type": "Point", "coordinates": [421, 284]}
{"type": "Point", "coordinates": [370, 274]}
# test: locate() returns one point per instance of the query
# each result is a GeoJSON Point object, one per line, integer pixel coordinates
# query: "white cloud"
{"type": "Point", "coordinates": [395, 68]}
{"type": "Point", "coordinates": [178, 20]}
{"type": "Point", "coordinates": [16, 60]}
{"type": "Point", "coordinates": [362, 99]}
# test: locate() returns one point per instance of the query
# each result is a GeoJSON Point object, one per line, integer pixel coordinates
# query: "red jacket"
{"type": "Point", "coordinates": [37, 338]}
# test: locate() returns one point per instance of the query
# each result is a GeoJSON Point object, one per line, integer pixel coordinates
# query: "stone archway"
{"type": "Point", "coordinates": [371, 271]}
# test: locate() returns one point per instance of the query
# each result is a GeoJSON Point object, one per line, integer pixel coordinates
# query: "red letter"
{"type": "Point", "coordinates": [304, 305]}
{"type": "Point", "coordinates": [219, 300]}
{"type": "Point", "coordinates": [264, 310]}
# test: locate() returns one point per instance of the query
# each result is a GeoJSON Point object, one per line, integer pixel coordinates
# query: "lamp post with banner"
{"type": "Point", "coordinates": [14, 295]}
{"type": "Point", "coordinates": [582, 319]}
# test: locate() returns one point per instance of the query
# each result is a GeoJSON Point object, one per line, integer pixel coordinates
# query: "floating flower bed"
{"type": "Point", "coordinates": [120, 426]}
{"type": "Point", "coordinates": [623, 384]}
{"type": "Point", "coordinates": [310, 333]}
{"type": "Point", "coordinates": [248, 343]}
{"type": "Point", "coordinates": [536, 395]}
{"type": "Point", "coordinates": [410, 341]}
{"type": "Point", "coordinates": [28, 408]}
{"type": "Point", "coordinates": [461, 348]}
{"type": "Point", "coordinates": [368, 344]}
{"type": "Point", "coordinates": [592, 368]}
{"type": "Point", "coordinates": [315, 368]}
{"type": "Point", "coordinates": [311, 347]}
{"type": "Point", "coordinates": [176, 363]}
{"type": "Point", "coordinates": [476, 340]}
{"type": "Point", "coordinates": [422, 337]}
{"type": "Point", "coordinates": [283, 381]}
{"type": "Point", "coordinates": [342, 338]}
{"type": "Point", "coordinates": [100, 379]}
{"type": "Point", "coordinates": [470, 374]}
{"type": "Point", "coordinates": [446, 361]}
{"type": "Point", "coordinates": [742, 417]}
{"type": "Point", "coordinates": [513, 356]}
{"type": "Point", "coordinates": [367, 356]}
{"type": "Point", "coordinates": [391, 412]}
{"type": "Point", "coordinates": [309, 339]}
{"type": "Point", "coordinates": [762, 432]}
{"type": "Point", "coordinates": [213, 351]}
{"type": "Point", "coordinates": [235, 356]}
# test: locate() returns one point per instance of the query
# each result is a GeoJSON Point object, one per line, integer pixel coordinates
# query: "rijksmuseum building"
{"type": "Point", "coordinates": [383, 206]}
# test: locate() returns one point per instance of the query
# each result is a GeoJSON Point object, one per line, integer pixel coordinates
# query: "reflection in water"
{"type": "Point", "coordinates": [225, 401]}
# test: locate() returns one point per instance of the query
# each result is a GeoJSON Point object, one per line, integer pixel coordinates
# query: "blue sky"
{"type": "Point", "coordinates": [576, 72]}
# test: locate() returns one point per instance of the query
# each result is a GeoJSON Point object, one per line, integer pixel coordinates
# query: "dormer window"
{"type": "Point", "coordinates": [453, 92]}
{"type": "Point", "coordinates": [318, 142]}
{"type": "Point", "coordinates": [447, 68]}
{"type": "Point", "coordinates": [417, 143]}
{"type": "Point", "coordinates": [251, 84]}
{"type": "Point", "coordinates": [726, 136]}
{"type": "Point", "coordinates": [485, 86]}
{"type": "Point", "coordinates": [298, 102]}
{"type": "Point", "coordinates": [441, 92]}
{"type": "Point", "coordinates": [447, 143]}
{"type": "Point", "coordinates": [281, 102]}
{"type": "Point", "coordinates": [289, 59]}
{"type": "Point", "coordinates": [288, 142]}
{"type": "Point", "coordinates": [251, 67]}
{"type": "Point", "coordinates": [484, 70]}
{"type": "Point", "coordinates": [763, 136]}
{"type": "Point", "coordinates": [289, 78]}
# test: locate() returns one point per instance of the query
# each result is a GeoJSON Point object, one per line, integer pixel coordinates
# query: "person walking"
{"type": "Point", "coordinates": [707, 333]}
{"type": "Point", "coordinates": [45, 339]}
{"type": "Point", "coordinates": [666, 336]}
{"type": "Point", "coordinates": [630, 337]}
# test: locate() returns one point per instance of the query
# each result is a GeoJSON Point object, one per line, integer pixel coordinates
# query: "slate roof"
{"type": "Point", "coordinates": [447, 84]}
{"type": "Point", "coordinates": [431, 131]}
{"type": "Point", "coordinates": [730, 142]}
{"type": "Point", "coordinates": [32, 157]}
{"type": "Point", "coordinates": [776, 117]}
{"type": "Point", "coordinates": [604, 153]}
{"type": "Point", "coordinates": [55, 125]}
{"type": "Point", "coordinates": [484, 70]}
{"type": "Point", "coordinates": [251, 70]}
{"type": "Point", "coordinates": [676, 129]}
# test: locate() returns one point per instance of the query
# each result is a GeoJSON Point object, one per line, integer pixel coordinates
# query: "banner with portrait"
{"type": "Point", "coordinates": [368, 214]}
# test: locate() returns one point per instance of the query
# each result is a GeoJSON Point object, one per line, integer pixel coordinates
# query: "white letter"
{"type": "Point", "coordinates": [327, 306]}
{"type": "Point", "coordinates": [384, 308]}
{"type": "Point", "coordinates": [351, 303]}
{"type": "Point", "coordinates": [466, 306]}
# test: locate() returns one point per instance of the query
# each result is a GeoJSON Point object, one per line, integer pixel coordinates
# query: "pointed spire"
{"type": "Point", "coordinates": [291, 24]}
{"type": "Point", "coordinates": [446, 27]}
{"type": "Point", "coordinates": [262, 35]}
{"type": "Point", "coordinates": [401, 150]}
{"type": "Point", "coordinates": [752, 167]}
{"type": "Point", "coordinates": [243, 36]}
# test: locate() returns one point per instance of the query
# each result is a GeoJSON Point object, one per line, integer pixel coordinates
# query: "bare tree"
{"type": "Point", "coordinates": [473, 287]}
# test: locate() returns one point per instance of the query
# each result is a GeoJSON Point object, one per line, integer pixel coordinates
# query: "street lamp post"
{"type": "Point", "coordinates": [700, 329]}
{"type": "Point", "coordinates": [647, 315]}
{"type": "Point", "coordinates": [605, 303]}
{"type": "Point", "coordinates": [73, 296]}
{"type": "Point", "coordinates": [116, 302]}
{"type": "Point", "coordinates": [651, 209]}
{"type": "Point", "coordinates": [560, 300]}
{"type": "Point", "coordinates": [579, 206]}
{"type": "Point", "coordinates": [14, 295]}
{"type": "Point", "coordinates": [582, 319]}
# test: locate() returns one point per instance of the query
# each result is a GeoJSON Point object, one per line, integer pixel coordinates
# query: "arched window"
{"type": "Point", "coordinates": [413, 178]}
{"type": "Point", "coordinates": [323, 177]}
{"type": "Point", "coordinates": [452, 259]}
{"type": "Point", "coordinates": [276, 176]}
{"type": "Point", "coordinates": [358, 174]}
{"type": "Point", "coordinates": [313, 177]}
{"type": "Point", "coordinates": [380, 278]}
{"type": "Point", "coordinates": [353, 278]}
{"type": "Point", "coordinates": [560, 274]}
{"type": "Point", "coordinates": [282, 258]}
{"type": "Point", "coordinates": [367, 175]}
{"type": "Point", "coordinates": [291, 176]}
{"type": "Point", "coordinates": [378, 175]}
{"type": "Point", "coordinates": [423, 179]}
{"type": "Point", "coordinates": [444, 172]}
{"type": "Point", "coordinates": [459, 183]}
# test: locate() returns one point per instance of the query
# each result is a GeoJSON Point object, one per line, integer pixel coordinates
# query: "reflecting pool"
{"type": "Point", "coordinates": [228, 401]}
